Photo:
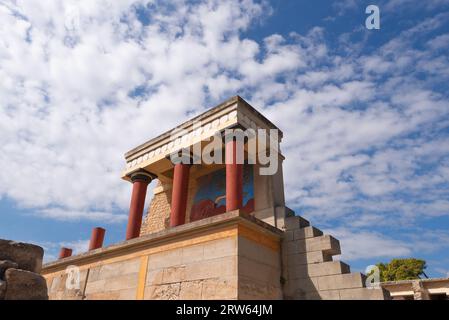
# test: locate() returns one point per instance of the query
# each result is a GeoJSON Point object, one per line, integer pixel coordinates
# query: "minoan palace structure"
{"type": "Point", "coordinates": [212, 231]}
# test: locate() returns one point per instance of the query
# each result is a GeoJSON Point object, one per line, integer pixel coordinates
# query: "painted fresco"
{"type": "Point", "coordinates": [210, 198]}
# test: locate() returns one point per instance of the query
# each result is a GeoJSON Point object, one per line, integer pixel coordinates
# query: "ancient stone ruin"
{"type": "Point", "coordinates": [20, 267]}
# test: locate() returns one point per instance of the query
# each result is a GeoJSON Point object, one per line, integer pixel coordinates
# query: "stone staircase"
{"type": "Point", "coordinates": [309, 271]}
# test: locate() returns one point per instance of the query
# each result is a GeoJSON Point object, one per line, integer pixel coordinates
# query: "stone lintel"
{"type": "Point", "coordinates": [152, 155]}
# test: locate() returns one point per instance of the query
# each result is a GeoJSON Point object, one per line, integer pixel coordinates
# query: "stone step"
{"type": "Point", "coordinates": [306, 232]}
{"type": "Point", "coordinates": [348, 294]}
{"type": "Point", "coordinates": [295, 222]}
{"type": "Point", "coordinates": [341, 281]}
{"type": "Point", "coordinates": [318, 269]}
{"type": "Point", "coordinates": [297, 259]}
{"type": "Point", "coordinates": [326, 243]}
{"type": "Point", "coordinates": [364, 294]}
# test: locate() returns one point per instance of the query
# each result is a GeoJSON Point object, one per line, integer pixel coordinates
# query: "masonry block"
{"type": "Point", "coordinates": [295, 222]}
{"type": "Point", "coordinates": [364, 294]}
{"type": "Point", "coordinates": [318, 269]}
{"type": "Point", "coordinates": [341, 281]}
{"type": "Point", "coordinates": [306, 232]}
{"type": "Point", "coordinates": [306, 258]}
{"type": "Point", "coordinates": [326, 244]}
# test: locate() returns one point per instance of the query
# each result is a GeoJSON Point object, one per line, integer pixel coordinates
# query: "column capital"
{"type": "Point", "coordinates": [141, 175]}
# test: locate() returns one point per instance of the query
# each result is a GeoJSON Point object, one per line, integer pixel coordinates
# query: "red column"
{"type": "Point", "coordinates": [140, 181]}
{"type": "Point", "coordinates": [234, 177]}
{"type": "Point", "coordinates": [65, 252]}
{"type": "Point", "coordinates": [96, 239]}
{"type": "Point", "coordinates": [179, 194]}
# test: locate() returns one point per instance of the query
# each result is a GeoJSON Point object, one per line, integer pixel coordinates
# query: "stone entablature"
{"type": "Point", "coordinates": [231, 113]}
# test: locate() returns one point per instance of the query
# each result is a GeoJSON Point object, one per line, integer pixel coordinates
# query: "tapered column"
{"type": "Point", "coordinates": [65, 252]}
{"type": "Point", "coordinates": [179, 194]}
{"type": "Point", "coordinates": [234, 177]}
{"type": "Point", "coordinates": [140, 180]}
{"type": "Point", "coordinates": [96, 239]}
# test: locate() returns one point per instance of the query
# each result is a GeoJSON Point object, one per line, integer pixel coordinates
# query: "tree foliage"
{"type": "Point", "coordinates": [402, 269]}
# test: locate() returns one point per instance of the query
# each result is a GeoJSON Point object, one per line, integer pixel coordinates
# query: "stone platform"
{"type": "Point", "coordinates": [228, 256]}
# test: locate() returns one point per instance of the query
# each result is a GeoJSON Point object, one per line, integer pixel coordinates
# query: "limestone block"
{"type": "Point", "coordinates": [255, 270]}
{"type": "Point", "coordinates": [164, 259]}
{"type": "Point", "coordinates": [154, 277]}
{"type": "Point", "coordinates": [119, 268]}
{"type": "Point", "coordinates": [221, 267]}
{"type": "Point", "coordinates": [192, 253]}
{"type": "Point", "coordinates": [163, 292]}
{"type": "Point", "coordinates": [111, 295]}
{"type": "Point", "coordinates": [220, 248]}
{"type": "Point", "coordinates": [323, 295]}
{"type": "Point", "coordinates": [27, 256]}
{"type": "Point", "coordinates": [295, 222]}
{"type": "Point", "coordinates": [254, 290]}
{"type": "Point", "coordinates": [306, 258]}
{"type": "Point", "coordinates": [94, 273]}
{"type": "Point", "coordinates": [191, 290]}
{"type": "Point", "coordinates": [6, 264]}
{"type": "Point", "coordinates": [2, 289]}
{"type": "Point", "coordinates": [326, 244]}
{"type": "Point", "coordinates": [306, 232]}
{"type": "Point", "coordinates": [127, 294]}
{"type": "Point", "coordinates": [219, 288]}
{"type": "Point", "coordinates": [341, 281]}
{"type": "Point", "coordinates": [25, 285]}
{"type": "Point", "coordinates": [364, 294]}
{"type": "Point", "coordinates": [288, 235]}
{"type": "Point", "coordinates": [253, 250]}
{"type": "Point", "coordinates": [173, 274]}
{"type": "Point", "coordinates": [95, 286]}
{"type": "Point", "coordinates": [299, 288]}
{"type": "Point", "coordinates": [126, 281]}
{"type": "Point", "coordinates": [318, 269]}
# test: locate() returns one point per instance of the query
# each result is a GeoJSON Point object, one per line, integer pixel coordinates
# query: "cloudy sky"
{"type": "Point", "coordinates": [365, 113]}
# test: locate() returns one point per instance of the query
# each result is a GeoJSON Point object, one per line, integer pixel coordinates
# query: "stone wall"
{"type": "Point", "coordinates": [20, 264]}
{"type": "Point", "coordinates": [311, 273]}
{"type": "Point", "coordinates": [158, 214]}
{"type": "Point", "coordinates": [228, 256]}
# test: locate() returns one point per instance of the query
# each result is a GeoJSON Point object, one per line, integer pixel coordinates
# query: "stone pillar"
{"type": "Point", "coordinates": [96, 239]}
{"type": "Point", "coordinates": [140, 180]}
{"type": "Point", "coordinates": [65, 252]}
{"type": "Point", "coordinates": [419, 292]}
{"type": "Point", "coordinates": [234, 177]}
{"type": "Point", "coordinates": [179, 194]}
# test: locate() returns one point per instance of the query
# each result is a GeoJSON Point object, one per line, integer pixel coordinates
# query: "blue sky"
{"type": "Point", "coordinates": [365, 113]}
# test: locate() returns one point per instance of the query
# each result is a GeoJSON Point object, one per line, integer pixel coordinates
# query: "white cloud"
{"type": "Point", "coordinates": [363, 245]}
{"type": "Point", "coordinates": [360, 129]}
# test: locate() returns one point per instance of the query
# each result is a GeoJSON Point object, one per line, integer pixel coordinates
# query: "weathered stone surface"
{"type": "Point", "coordinates": [6, 264]}
{"type": "Point", "coordinates": [2, 289]}
{"type": "Point", "coordinates": [25, 285]}
{"type": "Point", "coordinates": [27, 256]}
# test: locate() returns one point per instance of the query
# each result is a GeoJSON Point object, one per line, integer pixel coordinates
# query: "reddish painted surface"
{"type": "Point", "coordinates": [179, 194]}
{"type": "Point", "coordinates": [204, 209]}
{"type": "Point", "coordinates": [136, 209]}
{"type": "Point", "coordinates": [96, 239]}
{"type": "Point", "coordinates": [65, 252]}
{"type": "Point", "coordinates": [207, 208]}
{"type": "Point", "coordinates": [249, 206]}
{"type": "Point", "coordinates": [234, 178]}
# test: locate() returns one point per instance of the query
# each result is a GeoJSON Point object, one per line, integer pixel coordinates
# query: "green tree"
{"type": "Point", "coordinates": [402, 269]}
